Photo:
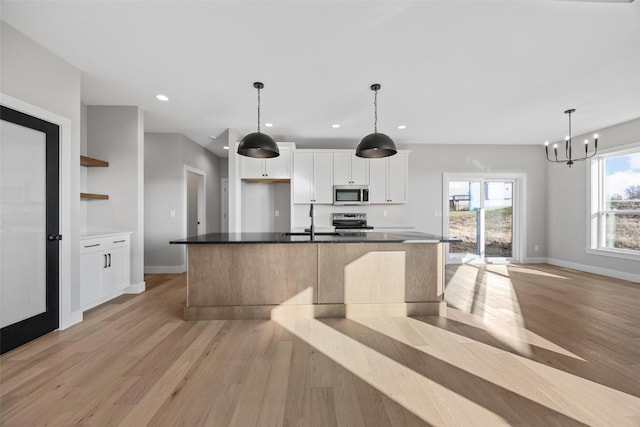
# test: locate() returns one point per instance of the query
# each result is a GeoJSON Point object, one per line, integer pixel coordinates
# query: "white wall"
{"type": "Point", "coordinates": [115, 134]}
{"type": "Point", "coordinates": [566, 219]}
{"type": "Point", "coordinates": [427, 163]}
{"type": "Point", "coordinates": [83, 170]}
{"type": "Point", "coordinates": [224, 168]}
{"type": "Point", "coordinates": [166, 155]}
{"type": "Point", "coordinates": [260, 201]}
{"type": "Point", "coordinates": [33, 75]}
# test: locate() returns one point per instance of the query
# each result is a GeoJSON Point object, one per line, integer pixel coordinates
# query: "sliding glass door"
{"type": "Point", "coordinates": [481, 213]}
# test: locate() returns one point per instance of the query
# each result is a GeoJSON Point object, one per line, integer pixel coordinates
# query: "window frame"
{"type": "Point", "coordinates": [596, 223]}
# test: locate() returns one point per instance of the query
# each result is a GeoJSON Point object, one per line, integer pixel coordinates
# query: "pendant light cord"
{"type": "Point", "coordinates": [258, 110]}
{"type": "Point", "coordinates": [568, 145]}
{"type": "Point", "coordinates": [375, 109]}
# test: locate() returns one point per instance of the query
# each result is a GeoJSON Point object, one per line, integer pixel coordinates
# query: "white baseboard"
{"type": "Point", "coordinates": [162, 269]}
{"type": "Point", "coordinates": [595, 270]}
{"type": "Point", "coordinates": [135, 288]}
{"type": "Point", "coordinates": [535, 260]}
{"type": "Point", "coordinates": [70, 319]}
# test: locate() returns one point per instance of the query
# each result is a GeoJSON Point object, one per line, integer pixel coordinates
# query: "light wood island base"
{"type": "Point", "coordinates": [314, 311]}
{"type": "Point", "coordinates": [314, 280]}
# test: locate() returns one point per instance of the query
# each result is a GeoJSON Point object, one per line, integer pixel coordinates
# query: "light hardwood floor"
{"type": "Point", "coordinates": [520, 345]}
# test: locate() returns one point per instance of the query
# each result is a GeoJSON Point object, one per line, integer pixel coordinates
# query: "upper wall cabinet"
{"type": "Point", "coordinates": [313, 177]}
{"type": "Point", "coordinates": [267, 169]}
{"type": "Point", "coordinates": [349, 169]}
{"type": "Point", "coordinates": [389, 179]}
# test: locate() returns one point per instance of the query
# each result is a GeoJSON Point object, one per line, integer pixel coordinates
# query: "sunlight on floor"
{"type": "Point", "coordinates": [455, 367]}
{"type": "Point", "coordinates": [545, 385]}
{"type": "Point", "coordinates": [526, 270]}
{"type": "Point", "coordinates": [532, 338]}
{"type": "Point", "coordinates": [457, 295]}
{"type": "Point", "coordinates": [491, 289]}
{"type": "Point", "coordinates": [505, 323]}
{"type": "Point", "coordinates": [423, 397]}
{"type": "Point", "coordinates": [492, 305]}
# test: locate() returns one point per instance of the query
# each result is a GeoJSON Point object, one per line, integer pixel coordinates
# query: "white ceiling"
{"type": "Point", "coordinates": [485, 72]}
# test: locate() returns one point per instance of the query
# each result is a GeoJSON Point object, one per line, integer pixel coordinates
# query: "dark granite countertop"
{"type": "Point", "coordinates": [321, 237]}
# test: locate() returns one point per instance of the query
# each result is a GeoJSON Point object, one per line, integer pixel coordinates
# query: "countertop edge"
{"type": "Point", "coordinates": [95, 235]}
{"type": "Point", "coordinates": [279, 238]}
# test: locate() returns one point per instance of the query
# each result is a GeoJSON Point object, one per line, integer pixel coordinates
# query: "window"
{"type": "Point", "coordinates": [615, 203]}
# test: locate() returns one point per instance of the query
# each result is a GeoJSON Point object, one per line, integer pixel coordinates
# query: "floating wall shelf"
{"type": "Point", "coordinates": [91, 162]}
{"type": "Point", "coordinates": [93, 196]}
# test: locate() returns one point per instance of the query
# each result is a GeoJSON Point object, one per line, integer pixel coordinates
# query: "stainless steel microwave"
{"type": "Point", "coordinates": [350, 195]}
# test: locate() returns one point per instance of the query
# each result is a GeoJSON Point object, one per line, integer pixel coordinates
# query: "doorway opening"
{"type": "Point", "coordinates": [224, 205]}
{"type": "Point", "coordinates": [194, 202]}
{"type": "Point", "coordinates": [486, 212]}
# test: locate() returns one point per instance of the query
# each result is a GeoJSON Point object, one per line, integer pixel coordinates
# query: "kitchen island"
{"type": "Point", "coordinates": [281, 275]}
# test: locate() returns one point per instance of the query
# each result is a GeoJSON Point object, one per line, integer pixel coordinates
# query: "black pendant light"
{"type": "Point", "coordinates": [258, 144]}
{"type": "Point", "coordinates": [376, 145]}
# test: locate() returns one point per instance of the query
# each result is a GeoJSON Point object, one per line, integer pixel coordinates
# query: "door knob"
{"type": "Point", "coordinates": [52, 237]}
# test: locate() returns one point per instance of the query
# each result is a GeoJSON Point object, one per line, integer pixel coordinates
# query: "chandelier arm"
{"type": "Point", "coordinates": [556, 160]}
{"type": "Point", "coordinates": [581, 159]}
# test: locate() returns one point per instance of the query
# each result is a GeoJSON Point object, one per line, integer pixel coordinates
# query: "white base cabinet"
{"type": "Point", "coordinates": [104, 268]}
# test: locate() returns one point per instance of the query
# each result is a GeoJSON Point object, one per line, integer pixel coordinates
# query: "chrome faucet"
{"type": "Point", "coordinates": [313, 227]}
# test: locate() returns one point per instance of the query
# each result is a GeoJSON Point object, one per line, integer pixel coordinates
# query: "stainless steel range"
{"type": "Point", "coordinates": [350, 221]}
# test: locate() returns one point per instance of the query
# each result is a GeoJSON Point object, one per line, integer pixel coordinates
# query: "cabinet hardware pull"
{"type": "Point", "coordinates": [109, 260]}
{"type": "Point", "coordinates": [119, 241]}
{"type": "Point", "coordinates": [92, 246]}
{"type": "Point", "coordinates": [105, 260]}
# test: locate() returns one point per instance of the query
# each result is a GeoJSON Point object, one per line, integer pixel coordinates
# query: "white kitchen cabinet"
{"type": "Point", "coordinates": [104, 268]}
{"type": "Point", "coordinates": [349, 169]}
{"type": "Point", "coordinates": [271, 168]}
{"type": "Point", "coordinates": [388, 179]}
{"type": "Point", "coordinates": [313, 177]}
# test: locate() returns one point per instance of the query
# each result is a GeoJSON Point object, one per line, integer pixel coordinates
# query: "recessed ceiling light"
{"type": "Point", "coordinates": [402, 127]}
{"type": "Point", "coordinates": [269, 125]}
{"type": "Point", "coordinates": [335, 125]}
{"type": "Point", "coordinates": [226, 147]}
{"type": "Point", "coordinates": [162, 97]}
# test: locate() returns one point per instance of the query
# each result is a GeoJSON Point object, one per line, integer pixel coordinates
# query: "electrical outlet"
{"type": "Point", "coordinates": [536, 248]}
{"type": "Point", "coordinates": [384, 212]}
{"type": "Point", "coordinates": [437, 213]}
{"type": "Point", "coordinates": [277, 213]}
{"type": "Point", "coordinates": [172, 214]}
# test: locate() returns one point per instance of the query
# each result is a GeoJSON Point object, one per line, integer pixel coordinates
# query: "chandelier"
{"type": "Point", "coordinates": [569, 158]}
